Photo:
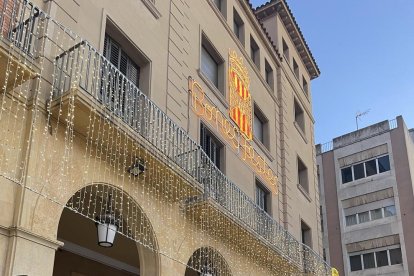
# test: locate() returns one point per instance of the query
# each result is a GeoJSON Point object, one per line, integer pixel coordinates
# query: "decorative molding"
{"type": "Point", "coordinates": [19, 232]}
{"type": "Point", "coordinates": [151, 7]}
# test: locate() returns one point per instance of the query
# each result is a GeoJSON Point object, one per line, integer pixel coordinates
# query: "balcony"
{"type": "Point", "coordinates": [85, 85]}
{"type": "Point", "coordinates": [19, 26]}
{"type": "Point", "coordinates": [97, 85]}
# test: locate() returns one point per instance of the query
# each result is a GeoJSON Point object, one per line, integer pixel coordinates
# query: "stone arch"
{"type": "Point", "coordinates": [207, 260]}
{"type": "Point", "coordinates": [94, 199]}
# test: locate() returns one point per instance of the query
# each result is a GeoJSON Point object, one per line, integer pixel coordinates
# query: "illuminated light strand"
{"type": "Point", "coordinates": [106, 154]}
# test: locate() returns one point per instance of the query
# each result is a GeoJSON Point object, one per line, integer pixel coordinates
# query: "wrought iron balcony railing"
{"type": "Point", "coordinates": [81, 65]}
{"type": "Point", "coordinates": [19, 23]}
{"type": "Point", "coordinates": [104, 82]}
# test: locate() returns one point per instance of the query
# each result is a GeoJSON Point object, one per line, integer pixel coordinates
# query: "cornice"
{"type": "Point", "coordinates": [283, 10]}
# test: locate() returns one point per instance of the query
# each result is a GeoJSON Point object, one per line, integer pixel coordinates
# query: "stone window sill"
{"type": "Point", "coordinates": [213, 88]}
{"type": "Point", "coordinates": [151, 7]}
{"type": "Point", "coordinates": [304, 192]}
{"type": "Point", "coordinates": [302, 134]}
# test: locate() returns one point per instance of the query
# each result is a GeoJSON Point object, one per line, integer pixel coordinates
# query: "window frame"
{"type": "Point", "coordinates": [239, 23]}
{"type": "Point", "coordinates": [304, 170]}
{"type": "Point", "coordinates": [257, 112]}
{"type": "Point", "coordinates": [378, 171]}
{"type": "Point", "coordinates": [295, 67]}
{"type": "Point", "coordinates": [374, 251]}
{"type": "Point", "coordinates": [209, 48]}
{"type": "Point", "coordinates": [254, 52]}
{"type": "Point", "coordinates": [267, 198]}
{"type": "Point", "coordinates": [134, 53]}
{"type": "Point", "coordinates": [299, 116]}
{"type": "Point", "coordinates": [221, 6]}
{"type": "Point", "coordinates": [285, 50]}
{"type": "Point", "coordinates": [305, 86]}
{"type": "Point", "coordinates": [370, 216]}
{"type": "Point", "coordinates": [269, 75]}
{"type": "Point", "coordinates": [220, 150]}
{"type": "Point", "coordinates": [306, 234]}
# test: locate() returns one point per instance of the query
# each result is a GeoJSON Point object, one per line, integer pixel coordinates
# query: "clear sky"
{"type": "Point", "coordinates": [365, 51]}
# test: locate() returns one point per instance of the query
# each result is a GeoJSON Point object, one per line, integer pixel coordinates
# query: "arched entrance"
{"type": "Point", "coordinates": [134, 247]}
{"type": "Point", "coordinates": [207, 261]}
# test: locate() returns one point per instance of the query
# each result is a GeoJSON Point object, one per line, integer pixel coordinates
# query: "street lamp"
{"type": "Point", "coordinates": [137, 168]}
{"type": "Point", "coordinates": [106, 226]}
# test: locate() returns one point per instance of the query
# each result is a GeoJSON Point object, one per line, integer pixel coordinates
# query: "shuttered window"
{"type": "Point", "coordinates": [209, 66]}
{"type": "Point", "coordinates": [211, 146]}
{"type": "Point", "coordinates": [114, 53]}
{"type": "Point", "coordinates": [261, 196]}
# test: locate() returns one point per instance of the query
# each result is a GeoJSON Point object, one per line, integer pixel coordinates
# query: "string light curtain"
{"type": "Point", "coordinates": [71, 128]}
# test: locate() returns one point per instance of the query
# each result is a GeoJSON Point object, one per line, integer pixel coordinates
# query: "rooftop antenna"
{"type": "Point", "coordinates": [359, 115]}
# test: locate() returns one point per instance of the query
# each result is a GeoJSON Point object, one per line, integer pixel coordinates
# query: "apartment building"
{"type": "Point", "coordinates": [156, 138]}
{"type": "Point", "coordinates": [367, 199]}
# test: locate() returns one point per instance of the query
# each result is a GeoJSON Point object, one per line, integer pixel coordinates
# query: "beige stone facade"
{"type": "Point", "coordinates": [98, 120]}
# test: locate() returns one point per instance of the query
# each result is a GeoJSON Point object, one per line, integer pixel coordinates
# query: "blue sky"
{"type": "Point", "coordinates": [365, 50]}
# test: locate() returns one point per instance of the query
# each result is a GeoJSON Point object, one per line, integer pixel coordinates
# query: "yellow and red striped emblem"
{"type": "Point", "coordinates": [239, 86]}
{"type": "Point", "coordinates": [240, 104]}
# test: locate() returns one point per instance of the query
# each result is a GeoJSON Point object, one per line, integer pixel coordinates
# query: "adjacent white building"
{"type": "Point", "coordinates": [366, 182]}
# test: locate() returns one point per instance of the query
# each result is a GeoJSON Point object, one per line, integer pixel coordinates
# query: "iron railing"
{"type": "Point", "coordinates": [105, 83]}
{"type": "Point", "coordinates": [19, 23]}
{"type": "Point", "coordinates": [328, 146]}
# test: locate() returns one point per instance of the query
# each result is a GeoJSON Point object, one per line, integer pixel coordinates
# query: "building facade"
{"type": "Point", "coordinates": [366, 180]}
{"type": "Point", "coordinates": [156, 138]}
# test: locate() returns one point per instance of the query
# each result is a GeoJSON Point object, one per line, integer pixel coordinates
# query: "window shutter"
{"type": "Point", "coordinates": [209, 66]}
{"type": "Point", "coordinates": [133, 73]}
{"type": "Point", "coordinates": [114, 54]}
{"type": "Point", "coordinates": [105, 47]}
{"type": "Point", "coordinates": [123, 65]}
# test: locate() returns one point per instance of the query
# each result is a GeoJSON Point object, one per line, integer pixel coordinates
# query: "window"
{"type": "Point", "coordinates": [366, 169]}
{"type": "Point", "coordinates": [355, 262]}
{"type": "Point", "coordinates": [299, 116]}
{"type": "Point", "coordinates": [384, 164]}
{"type": "Point", "coordinates": [376, 214]}
{"type": "Point", "coordinates": [238, 26]}
{"type": "Point", "coordinates": [379, 258]}
{"type": "Point", "coordinates": [382, 258]}
{"type": "Point", "coordinates": [295, 68]}
{"type": "Point", "coordinates": [212, 64]}
{"type": "Point", "coordinates": [254, 52]}
{"type": "Point", "coordinates": [363, 217]}
{"type": "Point", "coordinates": [306, 234]}
{"type": "Point", "coordinates": [260, 127]}
{"type": "Point", "coordinates": [359, 171]}
{"type": "Point", "coordinates": [371, 167]}
{"type": "Point", "coordinates": [351, 220]}
{"type": "Point", "coordinates": [303, 175]}
{"type": "Point", "coordinates": [390, 211]}
{"type": "Point", "coordinates": [347, 175]}
{"type": "Point", "coordinates": [221, 6]}
{"type": "Point", "coordinates": [305, 85]}
{"type": "Point", "coordinates": [262, 196]}
{"type": "Point", "coordinates": [285, 49]}
{"type": "Point", "coordinates": [269, 74]}
{"type": "Point", "coordinates": [125, 56]}
{"type": "Point", "coordinates": [370, 215]}
{"type": "Point", "coordinates": [211, 146]}
{"type": "Point", "coordinates": [369, 260]}
{"type": "Point", "coordinates": [395, 256]}
{"type": "Point", "coordinates": [118, 57]}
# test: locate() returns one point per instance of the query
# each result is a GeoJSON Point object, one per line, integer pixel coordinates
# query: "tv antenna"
{"type": "Point", "coordinates": [359, 115]}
